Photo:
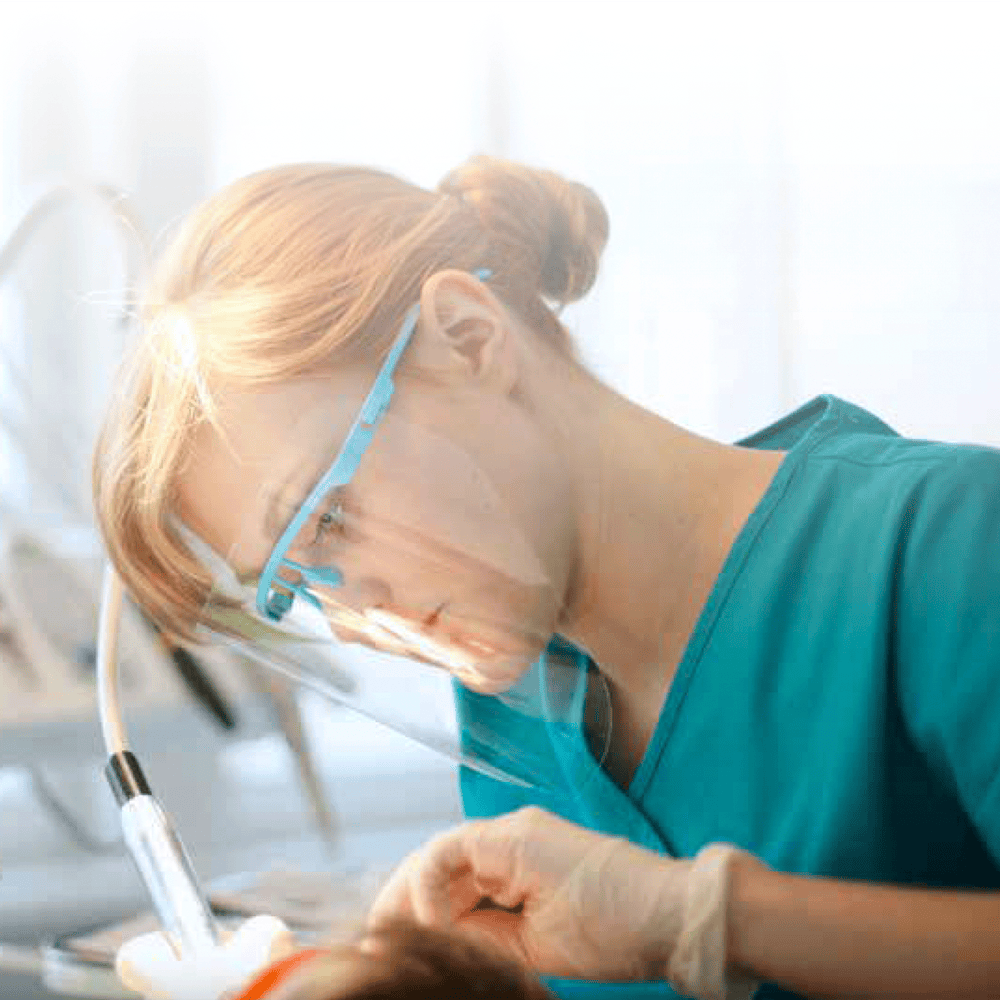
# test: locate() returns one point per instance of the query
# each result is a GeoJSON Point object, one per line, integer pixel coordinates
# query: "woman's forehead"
{"type": "Point", "coordinates": [298, 405]}
{"type": "Point", "coordinates": [248, 473]}
{"type": "Point", "coordinates": [268, 447]}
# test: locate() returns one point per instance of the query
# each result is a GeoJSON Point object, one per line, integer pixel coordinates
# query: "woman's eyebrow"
{"type": "Point", "coordinates": [284, 502]}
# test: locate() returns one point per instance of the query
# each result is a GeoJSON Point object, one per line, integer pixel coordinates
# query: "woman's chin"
{"type": "Point", "coordinates": [497, 674]}
{"type": "Point", "coordinates": [479, 684]}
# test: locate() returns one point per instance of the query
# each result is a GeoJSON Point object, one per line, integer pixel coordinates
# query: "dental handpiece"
{"type": "Point", "coordinates": [149, 834]}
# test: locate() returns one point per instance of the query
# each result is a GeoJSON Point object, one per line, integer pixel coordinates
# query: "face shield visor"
{"type": "Point", "coordinates": [388, 570]}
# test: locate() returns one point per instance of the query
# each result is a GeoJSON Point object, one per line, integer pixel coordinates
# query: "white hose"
{"type": "Point", "coordinates": [108, 702]}
{"type": "Point", "coordinates": [149, 834]}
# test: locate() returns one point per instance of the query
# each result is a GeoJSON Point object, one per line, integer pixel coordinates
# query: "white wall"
{"type": "Point", "coordinates": [804, 196]}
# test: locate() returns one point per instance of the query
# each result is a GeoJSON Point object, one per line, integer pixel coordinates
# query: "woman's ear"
{"type": "Point", "coordinates": [464, 332]}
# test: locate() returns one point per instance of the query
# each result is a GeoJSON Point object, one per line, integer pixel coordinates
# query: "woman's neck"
{"type": "Point", "coordinates": [659, 510]}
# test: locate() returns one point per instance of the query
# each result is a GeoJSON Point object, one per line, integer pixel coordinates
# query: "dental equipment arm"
{"type": "Point", "coordinates": [46, 440]}
{"type": "Point", "coordinates": [190, 959]}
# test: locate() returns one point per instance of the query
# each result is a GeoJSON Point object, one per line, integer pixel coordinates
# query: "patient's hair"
{"type": "Point", "coordinates": [415, 963]}
{"type": "Point", "coordinates": [290, 272]}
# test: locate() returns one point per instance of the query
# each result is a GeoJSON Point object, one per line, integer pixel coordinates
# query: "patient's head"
{"type": "Point", "coordinates": [401, 961]}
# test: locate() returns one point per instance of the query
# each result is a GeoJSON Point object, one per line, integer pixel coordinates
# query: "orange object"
{"type": "Point", "coordinates": [276, 973]}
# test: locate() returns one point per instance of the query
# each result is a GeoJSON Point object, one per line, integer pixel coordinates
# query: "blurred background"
{"type": "Point", "coordinates": [804, 198]}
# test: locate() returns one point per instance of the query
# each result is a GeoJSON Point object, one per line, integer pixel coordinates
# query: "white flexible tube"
{"type": "Point", "coordinates": [149, 834]}
{"type": "Point", "coordinates": [190, 958]}
{"type": "Point", "coordinates": [108, 704]}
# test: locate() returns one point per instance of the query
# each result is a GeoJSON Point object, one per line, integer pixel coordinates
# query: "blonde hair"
{"type": "Point", "coordinates": [292, 270]}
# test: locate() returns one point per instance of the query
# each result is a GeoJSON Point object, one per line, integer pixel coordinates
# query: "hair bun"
{"type": "Point", "coordinates": [539, 223]}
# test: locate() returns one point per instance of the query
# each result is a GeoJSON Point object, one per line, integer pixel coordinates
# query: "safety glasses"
{"type": "Point", "coordinates": [275, 592]}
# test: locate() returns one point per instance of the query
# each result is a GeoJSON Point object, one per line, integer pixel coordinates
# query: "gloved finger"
{"type": "Point", "coordinates": [454, 870]}
{"type": "Point", "coordinates": [493, 920]}
{"type": "Point", "coordinates": [439, 865]}
{"type": "Point", "coordinates": [443, 884]}
{"type": "Point", "coordinates": [500, 929]}
{"type": "Point", "coordinates": [393, 901]}
{"type": "Point", "coordinates": [457, 869]}
{"type": "Point", "coordinates": [405, 897]}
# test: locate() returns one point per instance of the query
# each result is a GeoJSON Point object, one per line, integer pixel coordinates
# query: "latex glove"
{"type": "Point", "coordinates": [148, 965]}
{"type": "Point", "coordinates": [585, 905]}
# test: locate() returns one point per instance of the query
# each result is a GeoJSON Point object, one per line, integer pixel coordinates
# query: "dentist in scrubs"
{"type": "Point", "coordinates": [780, 768]}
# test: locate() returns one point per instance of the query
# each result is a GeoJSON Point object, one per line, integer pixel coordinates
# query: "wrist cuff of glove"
{"type": "Point", "coordinates": [697, 966]}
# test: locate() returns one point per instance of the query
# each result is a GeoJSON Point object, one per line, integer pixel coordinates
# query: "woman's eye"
{"type": "Point", "coordinates": [330, 522]}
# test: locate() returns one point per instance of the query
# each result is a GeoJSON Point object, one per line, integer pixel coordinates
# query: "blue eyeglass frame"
{"type": "Point", "coordinates": [274, 603]}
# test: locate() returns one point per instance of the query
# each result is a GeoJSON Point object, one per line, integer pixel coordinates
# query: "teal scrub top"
{"type": "Point", "coordinates": [837, 709]}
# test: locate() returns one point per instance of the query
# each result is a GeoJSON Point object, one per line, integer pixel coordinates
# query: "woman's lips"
{"type": "Point", "coordinates": [462, 655]}
{"type": "Point", "coordinates": [478, 663]}
{"type": "Point", "coordinates": [475, 663]}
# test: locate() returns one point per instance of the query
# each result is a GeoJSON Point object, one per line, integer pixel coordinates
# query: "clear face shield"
{"type": "Point", "coordinates": [389, 570]}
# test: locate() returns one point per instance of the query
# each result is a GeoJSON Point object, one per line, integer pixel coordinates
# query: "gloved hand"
{"type": "Point", "coordinates": [574, 903]}
{"type": "Point", "coordinates": [148, 965]}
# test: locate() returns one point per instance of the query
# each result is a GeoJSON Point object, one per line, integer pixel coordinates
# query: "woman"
{"type": "Point", "coordinates": [358, 393]}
